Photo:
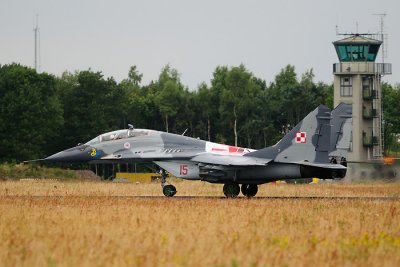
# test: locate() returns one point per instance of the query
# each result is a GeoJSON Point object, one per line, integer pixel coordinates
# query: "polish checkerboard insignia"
{"type": "Point", "coordinates": [301, 137]}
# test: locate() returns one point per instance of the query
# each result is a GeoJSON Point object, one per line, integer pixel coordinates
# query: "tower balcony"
{"type": "Point", "coordinates": [370, 141]}
{"type": "Point", "coordinates": [362, 68]}
{"type": "Point", "coordinates": [369, 94]}
{"type": "Point", "coordinates": [369, 113]}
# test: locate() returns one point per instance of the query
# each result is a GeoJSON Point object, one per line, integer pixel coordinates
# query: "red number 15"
{"type": "Point", "coordinates": [183, 169]}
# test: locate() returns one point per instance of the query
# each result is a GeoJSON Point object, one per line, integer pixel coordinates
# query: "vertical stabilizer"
{"type": "Point", "coordinates": [341, 131]}
{"type": "Point", "coordinates": [308, 141]}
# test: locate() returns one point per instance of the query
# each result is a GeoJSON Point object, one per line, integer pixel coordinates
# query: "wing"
{"type": "Point", "coordinates": [195, 156]}
{"type": "Point", "coordinates": [211, 164]}
{"type": "Point", "coordinates": [229, 160]}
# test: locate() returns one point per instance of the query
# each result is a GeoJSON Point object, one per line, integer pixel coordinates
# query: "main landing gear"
{"type": "Point", "coordinates": [249, 190]}
{"type": "Point", "coordinates": [168, 189]}
{"type": "Point", "coordinates": [233, 190]}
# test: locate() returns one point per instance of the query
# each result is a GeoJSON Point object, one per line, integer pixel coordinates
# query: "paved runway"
{"type": "Point", "coordinates": [349, 198]}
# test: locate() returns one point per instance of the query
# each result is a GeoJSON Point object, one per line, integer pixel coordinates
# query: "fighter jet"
{"type": "Point", "coordinates": [301, 153]}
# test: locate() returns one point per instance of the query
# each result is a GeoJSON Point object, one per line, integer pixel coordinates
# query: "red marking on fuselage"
{"type": "Point", "coordinates": [226, 149]}
{"type": "Point", "coordinates": [233, 149]}
{"type": "Point", "coordinates": [218, 149]}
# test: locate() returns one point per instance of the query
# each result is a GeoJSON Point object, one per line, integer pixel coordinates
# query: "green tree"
{"type": "Point", "coordinates": [134, 103]}
{"type": "Point", "coordinates": [391, 117]}
{"type": "Point", "coordinates": [291, 100]}
{"type": "Point", "coordinates": [218, 126]}
{"type": "Point", "coordinates": [30, 113]}
{"type": "Point", "coordinates": [238, 96]}
{"type": "Point", "coordinates": [170, 93]}
{"type": "Point", "coordinates": [205, 105]}
{"type": "Point", "coordinates": [92, 105]}
{"type": "Point", "coordinates": [134, 76]}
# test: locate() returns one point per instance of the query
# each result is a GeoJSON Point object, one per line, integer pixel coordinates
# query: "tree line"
{"type": "Point", "coordinates": [41, 114]}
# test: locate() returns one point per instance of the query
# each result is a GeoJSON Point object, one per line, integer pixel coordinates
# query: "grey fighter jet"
{"type": "Point", "coordinates": [302, 153]}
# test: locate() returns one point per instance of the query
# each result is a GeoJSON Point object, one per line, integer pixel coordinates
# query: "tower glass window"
{"type": "Point", "coordinates": [357, 48]}
{"type": "Point", "coordinates": [373, 51]}
{"type": "Point", "coordinates": [353, 52]}
{"type": "Point", "coordinates": [346, 86]}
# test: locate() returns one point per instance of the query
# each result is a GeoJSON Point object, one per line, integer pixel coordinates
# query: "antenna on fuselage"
{"type": "Point", "coordinates": [185, 131]}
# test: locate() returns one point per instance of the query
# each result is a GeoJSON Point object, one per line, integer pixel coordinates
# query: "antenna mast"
{"type": "Point", "coordinates": [382, 35]}
{"type": "Point", "coordinates": [36, 31]}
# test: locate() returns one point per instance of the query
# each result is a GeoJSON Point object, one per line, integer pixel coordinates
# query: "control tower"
{"type": "Point", "coordinates": [357, 81]}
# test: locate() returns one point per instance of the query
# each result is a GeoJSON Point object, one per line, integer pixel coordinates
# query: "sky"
{"type": "Point", "coordinates": [194, 37]}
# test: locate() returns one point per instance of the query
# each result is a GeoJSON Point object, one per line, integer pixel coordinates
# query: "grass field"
{"type": "Point", "coordinates": [54, 223]}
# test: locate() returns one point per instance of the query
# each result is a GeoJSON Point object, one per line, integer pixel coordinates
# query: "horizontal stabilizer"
{"type": "Point", "coordinates": [322, 165]}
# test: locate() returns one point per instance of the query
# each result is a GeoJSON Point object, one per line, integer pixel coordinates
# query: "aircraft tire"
{"type": "Point", "coordinates": [231, 190]}
{"type": "Point", "coordinates": [169, 190]}
{"type": "Point", "coordinates": [249, 190]}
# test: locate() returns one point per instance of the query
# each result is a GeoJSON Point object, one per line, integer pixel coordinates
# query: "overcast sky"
{"type": "Point", "coordinates": [193, 36]}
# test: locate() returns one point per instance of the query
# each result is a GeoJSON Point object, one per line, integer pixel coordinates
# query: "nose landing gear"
{"type": "Point", "coordinates": [168, 189]}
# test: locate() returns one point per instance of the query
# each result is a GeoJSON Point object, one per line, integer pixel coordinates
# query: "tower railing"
{"type": "Point", "coordinates": [362, 67]}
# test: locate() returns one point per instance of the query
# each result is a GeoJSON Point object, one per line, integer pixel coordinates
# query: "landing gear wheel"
{"type": "Point", "coordinates": [231, 190]}
{"type": "Point", "coordinates": [249, 190]}
{"type": "Point", "coordinates": [169, 190]}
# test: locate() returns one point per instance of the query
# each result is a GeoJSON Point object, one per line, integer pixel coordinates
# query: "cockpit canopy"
{"type": "Point", "coordinates": [119, 134]}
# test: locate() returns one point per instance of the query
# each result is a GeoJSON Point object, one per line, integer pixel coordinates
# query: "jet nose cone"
{"type": "Point", "coordinates": [76, 154]}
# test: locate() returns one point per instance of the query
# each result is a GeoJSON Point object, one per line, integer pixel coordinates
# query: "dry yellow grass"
{"type": "Point", "coordinates": [83, 224]}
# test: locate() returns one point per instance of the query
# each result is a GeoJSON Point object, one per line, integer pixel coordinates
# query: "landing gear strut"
{"type": "Point", "coordinates": [249, 190]}
{"type": "Point", "coordinates": [231, 190]}
{"type": "Point", "coordinates": [168, 189]}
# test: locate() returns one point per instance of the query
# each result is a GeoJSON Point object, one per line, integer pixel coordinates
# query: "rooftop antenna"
{"type": "Point", "coordinates": [36, 31]}
{"type": "Point", "coordinates": [382, 35]}
{"type": "Point", "coordinates": [352, 33]}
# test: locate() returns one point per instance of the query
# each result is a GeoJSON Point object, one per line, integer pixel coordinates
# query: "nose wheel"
{"type": "Point", "coordinates": [168, 189]}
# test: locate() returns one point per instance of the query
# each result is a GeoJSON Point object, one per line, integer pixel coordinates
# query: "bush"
{"type": "Point", "coordinates": [20, 171]}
